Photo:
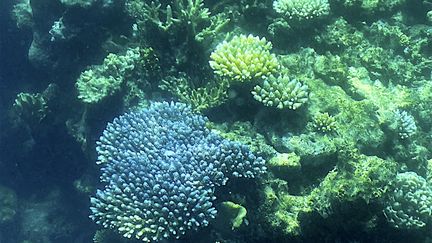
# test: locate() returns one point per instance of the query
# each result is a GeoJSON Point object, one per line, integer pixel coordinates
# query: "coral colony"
{"type": "Point", "coordinates": [160, 166]}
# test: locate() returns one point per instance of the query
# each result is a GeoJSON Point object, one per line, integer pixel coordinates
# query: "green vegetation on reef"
{"type": "Point", "coordinates": [335, 96]}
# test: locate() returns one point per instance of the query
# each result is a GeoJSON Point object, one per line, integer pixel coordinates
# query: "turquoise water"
{"type": "Point", "coordinates": [215, 121]}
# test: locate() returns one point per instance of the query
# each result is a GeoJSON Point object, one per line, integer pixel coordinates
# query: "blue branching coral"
{"type": "Point", "coordinates": [160, 168]}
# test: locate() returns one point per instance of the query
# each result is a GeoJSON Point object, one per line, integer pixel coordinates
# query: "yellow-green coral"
{"type": "Point", "coordinates": [244, 58]}
{"type": "Point", "coordinates": [93, 86]}
{"type": "Point", "coordinates": [281, 92]}
{"type": "Point", "coordinates": [324, 123]}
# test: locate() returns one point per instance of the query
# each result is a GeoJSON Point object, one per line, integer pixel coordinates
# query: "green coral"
{"type": "Point", "coordinates": [116, 72]}
{"type": "Point", "coordinates": [243, 58]}
{"type": "Point", "coordinates": [281, 92]}
{"type": "Point", "coordinates": [302, 9]}
{"type": "Point", "coordinates": [246, 133]}
{"type": "Point", "coordinates": [314, 149]}
{"type": "Point", "coordinates": [79, 3]}
{"type": "Point", "coordinates": [331, 68]}
{"type": "Point", "coordinates": [340, 34]}
{"type": "Point", "coordinates": [387, 99]}
{"type": "Point", "coordinates": [30, 108]}
{"type": "Point", "coordinates": [324, 123]}
{"type": "Point", "coordinates": [410, 202]}
{"type": "Point", "coordinates": [93, 86]}
{"type": "Point", "coordinates": [357, 120]}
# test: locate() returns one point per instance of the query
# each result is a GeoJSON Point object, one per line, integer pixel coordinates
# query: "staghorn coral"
{"type": "Point", "coordinates": [281, 92]}
{"type": "Point", "coordinates": [243, 59]}
{"type": "Point", "coordinates": [410, 204]}
{"type": "Point", "coordinates": [302, 9]}
{"type": "Point", "coordinates": [160, 168]}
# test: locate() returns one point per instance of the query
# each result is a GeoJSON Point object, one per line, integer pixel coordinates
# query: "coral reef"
{"type": "Point", "coordinates": [160, 167]}
{"type": "Point", "coordinates": [334, 94]}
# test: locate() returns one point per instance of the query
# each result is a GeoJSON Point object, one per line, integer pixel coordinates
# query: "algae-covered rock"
{"type": "Point", "coordinates": [285, 165]}
{"type": "Point", "coordinates": [366, 178]}
{"type": "Point", "coordinates": [281, 211]}
{"type": "Point", "coordinates": [314, 149]}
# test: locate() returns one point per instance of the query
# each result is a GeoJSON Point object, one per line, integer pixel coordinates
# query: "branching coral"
{"type": "Point", "coordinates": [404, 124]}
{"type": "Point", "coordinates": [191, 15]}
{"type": "Point", "coordinates": [324, 123]}
{"type": "Point", "coordinates": [244, 58]}
{"type": "Point", "coordinates": [160, 168]}
{"type": "Point", "coordinates": [302, 9]}
{"type": "Point", "coordinates": [101, 81]}
{"type": "Point", "coordinates": [410, 204]}
{"type": "Point", "coordinates": [214, 93]}
{"type": "Point", "coordinates": [281, 92]}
